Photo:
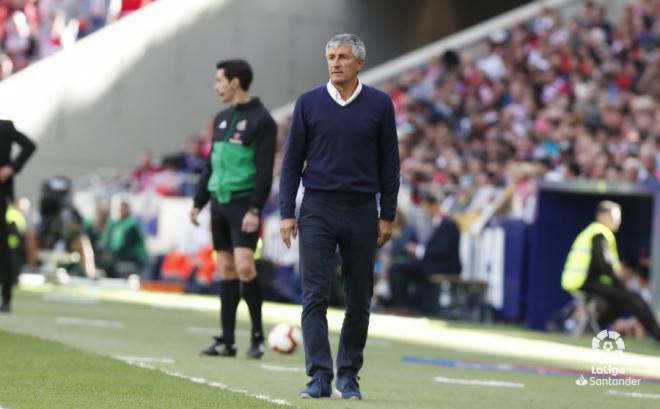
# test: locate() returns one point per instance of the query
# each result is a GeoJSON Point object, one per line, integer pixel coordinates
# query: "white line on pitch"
{"type": "Point", "coordinates": [479, 382]}
{"type": "Point", "coordinates": [218, 385]}
{"type": "Point", "coordinates": [145, 359]}
{"type": "Point", "coordinates": [281, 368]}
{"type": "Point", "coordinates": [85, 322]}
{"type": "Point", "coordinates": [640, 395]}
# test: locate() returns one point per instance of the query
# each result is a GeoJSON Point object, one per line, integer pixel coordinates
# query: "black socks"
{"type": "Point", "coordinates": [253, 297]}
{"type": "Point", "coordinates": [230, 295]}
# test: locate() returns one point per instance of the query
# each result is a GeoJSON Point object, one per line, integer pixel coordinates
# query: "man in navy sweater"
{"type": "Point", "coordinates": [346, 134]}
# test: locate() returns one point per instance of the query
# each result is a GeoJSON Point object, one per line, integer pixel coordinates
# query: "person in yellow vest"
{"type": "Point", "coordinates": [593, 267]}
{"type": "Point", "coordinates": [16, 227]}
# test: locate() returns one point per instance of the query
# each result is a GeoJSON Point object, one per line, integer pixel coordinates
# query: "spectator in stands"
{"type": "Point", "coordinates": [439, 255]}
{"type": "Point", "coordinates": [123, 245]}
{"type": "Point", "coordinates": [393, 252]}
{"type": "Point", "coordinates": [94, 15]}
{"type": "Point", "coordinates": [33, 29]}
{"type": "Point", "coordinates": [18, 40]}
{"type": "Point", "coordinates": [142, 175]}
{"type": "Point", "coordinates": [190, 160]}
{"type": "Point", "coordinates": [6, 66]}
{"type": "Point", "coordinates": [650, 180]}
{"type": "Point", "coordinates": [523, 187]}
{"type": "Point", "coordinates": [593, 267]}
{"type": "Point", "coordinates": [167, 181]}
{"type": "Point", "coordinates": [189, 164]}
{"type": "Point", "coordinates": [122, 8]}
{"type": "Point", "coordinates": [95, 227]}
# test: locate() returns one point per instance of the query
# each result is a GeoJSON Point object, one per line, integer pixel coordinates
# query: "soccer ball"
{"type": "Point", "coordinates": [284, 338]}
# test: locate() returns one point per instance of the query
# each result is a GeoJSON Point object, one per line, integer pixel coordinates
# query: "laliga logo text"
{"type": "Point", "coordinates": [609, 342]}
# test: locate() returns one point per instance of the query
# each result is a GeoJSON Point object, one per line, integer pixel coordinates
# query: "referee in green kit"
{"type": "Point", "coordinates": [237, 180]}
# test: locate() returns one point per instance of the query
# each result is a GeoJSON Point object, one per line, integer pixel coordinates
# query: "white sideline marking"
{"type": "Point", "coordinates": [479, 382]}
{"type": "Point", "coordinates": [145, 359]}
{"type": "Point", "coordinates": [89, 323]}
{"type": "Point", "coordinates": [213, 331]}
{"type": "Point", "coordinates": [612, 392]}
{"type": "Point", "coordinates": [54, 297]}
{"type": "Point", "coordinates": [281, 368]}
{"type": "Point", "coordinates": [212, 384]}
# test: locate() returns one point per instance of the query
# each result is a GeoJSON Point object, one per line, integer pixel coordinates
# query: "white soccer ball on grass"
{"type": "Point", "coordinates": [284, 338]}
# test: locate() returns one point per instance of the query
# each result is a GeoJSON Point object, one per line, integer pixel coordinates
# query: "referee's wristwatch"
{"type": "Point", "coordinates": [254, 210]}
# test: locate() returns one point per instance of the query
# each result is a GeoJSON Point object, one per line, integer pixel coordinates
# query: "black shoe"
{"type": "Point", "coordinates": [5, 307]}
{"type": "Point", "coordinates": [317, 388]}
{"type": "Point", "coordinates": [219, 348]}
{"type": "Point", "coordinates": [256, 349]}
{"type": "Point", "coordinates": [348, 388]}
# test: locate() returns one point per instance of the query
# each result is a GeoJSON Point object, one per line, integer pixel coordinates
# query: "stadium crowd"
{"type": "Point", "coordinates": [546, 99]}
{"type": "Point", "coordinates": [34, 29]}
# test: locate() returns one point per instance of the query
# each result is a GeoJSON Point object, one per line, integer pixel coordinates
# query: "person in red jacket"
{"type": "Point", "coordinates": [128, 6]}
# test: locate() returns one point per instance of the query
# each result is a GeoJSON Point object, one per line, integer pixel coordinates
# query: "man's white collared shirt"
{"type": "Point", "coordinates": [336, 96]}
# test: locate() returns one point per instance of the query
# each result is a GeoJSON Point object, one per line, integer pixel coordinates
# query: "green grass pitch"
{"type": "Point", "coordinates": [84, 347]}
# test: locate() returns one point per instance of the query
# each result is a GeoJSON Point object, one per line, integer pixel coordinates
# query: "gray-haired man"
{"type": "Point", "coordinates": [345, 131]}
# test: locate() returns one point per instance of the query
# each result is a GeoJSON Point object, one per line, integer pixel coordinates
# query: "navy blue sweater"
{"type": "Point", "coordinates": [348, 149]}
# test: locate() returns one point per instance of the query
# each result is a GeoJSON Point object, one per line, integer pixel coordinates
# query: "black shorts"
{"type": "Point", "coordinates": [226, 223]}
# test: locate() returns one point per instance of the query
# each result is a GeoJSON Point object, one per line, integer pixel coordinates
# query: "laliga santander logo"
{"type": "Point", "coordinates": [608, 341]}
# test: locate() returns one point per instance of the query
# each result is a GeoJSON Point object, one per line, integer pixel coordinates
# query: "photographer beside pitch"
{"type": "Point", "coordinates": [346, 133]}
{"type": "Point", "coordinates": [237, 179]}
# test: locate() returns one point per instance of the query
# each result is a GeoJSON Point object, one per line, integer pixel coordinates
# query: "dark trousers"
{"type": "Point", "coordinates": [325, 226]}
{"type": "Point", "coordinates": [6, 271]}
{"type": "Point", "coordinates": [620, 300]}
{"type": "Point", "coordinates": [418, 299]}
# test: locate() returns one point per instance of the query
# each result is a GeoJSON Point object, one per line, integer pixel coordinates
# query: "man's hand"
{"type": "Point", "coordinates": [384, 231]}
{"type": "Point", "coordinates": [288, 227]}
{"type": "Point", "coordinates": [411, 248]}
{"type": "Point", "coordinates": [5, 173]}
{"type": "Point", "coordinates": [250, 223]}
{"type": "Point", "coordinates": [193, 216]}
